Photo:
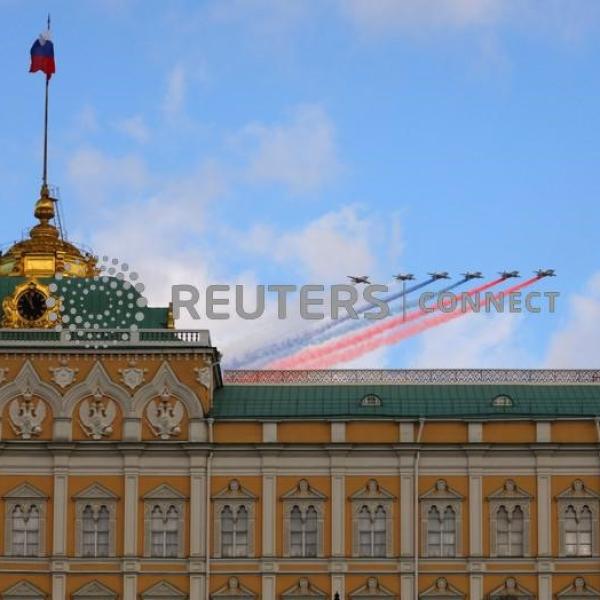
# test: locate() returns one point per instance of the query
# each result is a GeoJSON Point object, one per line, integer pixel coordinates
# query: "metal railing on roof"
{"type": "Point", "coordinates": [414, 376]}
{"type": "Point", "coordinates": [103, 338]}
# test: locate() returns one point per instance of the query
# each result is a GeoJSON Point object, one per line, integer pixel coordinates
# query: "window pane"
{"type": "Point", "coordinates": [310, 546]}
{"type": "Point", "coordinates": [364, 532]}
{"type": "Point", "coordinates": [241, 535]}
{"type": "Point", "coordinates": [296, 532]}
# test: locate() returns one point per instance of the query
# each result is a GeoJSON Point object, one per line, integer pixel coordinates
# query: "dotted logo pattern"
{"type": "Point", "coordinates": [120, 316]}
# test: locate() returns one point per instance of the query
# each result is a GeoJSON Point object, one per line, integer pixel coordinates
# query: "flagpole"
{"type": "Point", "coordinates": [45, 173]}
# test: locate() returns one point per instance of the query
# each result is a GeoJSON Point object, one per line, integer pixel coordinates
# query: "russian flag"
{"type": "Point", "coordinates": [42, 55]}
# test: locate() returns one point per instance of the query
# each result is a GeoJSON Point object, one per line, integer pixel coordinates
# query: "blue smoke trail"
{"type": "Point", "coordinates": [355, 324]}
{"type": "Point", "coordinates": [287, 346]}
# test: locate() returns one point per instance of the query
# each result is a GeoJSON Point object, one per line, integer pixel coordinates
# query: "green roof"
{"type": "Point", "coordinates": [107, 301]}
{"type": "Point", "coordinates": [405, 401]}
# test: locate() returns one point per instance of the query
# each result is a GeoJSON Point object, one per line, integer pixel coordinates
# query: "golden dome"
{"type": "Point", "coordinates": [45, 253]}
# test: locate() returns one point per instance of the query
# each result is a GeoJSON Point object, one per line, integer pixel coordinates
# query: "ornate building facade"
{"type": "Point", "coordinates": [132, 468]}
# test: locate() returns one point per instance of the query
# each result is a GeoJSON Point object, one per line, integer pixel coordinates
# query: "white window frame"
{"type": "Point", "coordinates": [441, 496]}
{"type": "Point", "coordinates": [510, 496]}
{"type": "Point", "coordinates": [303, 496]}
{"type": "Point", "coordinates": [235, 496]}
{"type": "Point", "coordinates": [96, 496]}
{"type": "Point", "coordinates": [164, 496]}
{"type": "Point", "coordinates": [372, 495]}
{"type": "Point", "coordinates": [578, 496]}
{"type": "Point", "coordinates": [26, 496]}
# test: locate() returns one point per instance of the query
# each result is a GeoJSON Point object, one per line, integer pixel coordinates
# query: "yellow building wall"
{"type": "Point", "coordinates": [314, 432]}
{"type": "Point", "coordinates": [383, 432]}
{"type": "Point", "coordinates": [452, 432]}
{"type": "Point", "coordinates": [509, 432]}
{"type": "Point", "coordinates": [237, 433]}
{"type": "Point", "coordinates": [574, 432]}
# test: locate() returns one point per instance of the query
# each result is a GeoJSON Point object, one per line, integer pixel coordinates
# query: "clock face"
{"type": "Point", "coordinates": [31, 305]}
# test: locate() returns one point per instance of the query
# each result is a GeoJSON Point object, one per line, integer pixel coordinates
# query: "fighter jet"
{"type": "Point", "coordinates": [508, 274]}
{"type": "Point", "coordinates": [439, 275]}
{"type": "Point", "coordinates": [472, 275]}
{"type": "Point", "coordinates": [545, 273]}
{"type": "Point", "coordinates": [404, 277]}
{"type": "Point", "coordinates": [359, 279]}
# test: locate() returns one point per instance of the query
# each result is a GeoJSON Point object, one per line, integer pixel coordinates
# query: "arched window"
{"type": "Point", "coordinates": [379, 532]}
{"type": "Point", "coordinates": [234, 532]}
{"type": "Point", "coordinates": [509, 531]}
{"type": "Point", "coordinates": [310, 528]}
{"type": "Point", "coordinates": [372, 532]}
{"type": "Point", "coordinates": [95, 524]}
{"type": "Point", "coordinates": [304, 532]}
{"type": "Point", "coordinates": [441, 532]}
{"type": "Point", "coordinates": [449, 532]}
{"type": "Point", "coordinates": [165, 532]}
{"type": "Point", "coordinates": [25, 531]}
{"type": "Point", "coordinates": [584, 542]}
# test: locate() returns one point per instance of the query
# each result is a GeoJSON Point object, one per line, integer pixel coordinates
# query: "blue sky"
{"type": "Point", "coordinates": [261, 141]}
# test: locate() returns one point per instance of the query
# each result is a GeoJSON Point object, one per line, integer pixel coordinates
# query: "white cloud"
{"type": "Point", "coordinates": [576, 345]}
{"type": "Point", "coordinates": [93, 173]}
{"type": "Point", "coordinates": [334, 245]}
{"type": "Point", "coordinates": [412, 14]}
{"type": "Point", "coordinates": [300, 153]}
{"type": "Point", "coordinates": [174, 99]}
{"type": "Point", "coordinates": [85, 121]}
{"type": "Point", "coordinates": [471, 341]}
{"type": "Point", "coordinates": [135, 128]}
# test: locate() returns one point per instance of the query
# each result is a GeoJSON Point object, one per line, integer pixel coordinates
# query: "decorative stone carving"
{"type": "Point", "coordinates": [371, 590]}
{"type": "Point", "coordinates": [63, 376]}
{"type": "Point", "coordinates": [27, 415]}
{"type": "Point", "coordinates": [3, 375]}
{"type": "Point", "coordinates": [96, 416]}
{"type": "Point", "coordinates": [578, 590]}
{"type": "Point", "coordinates": [165, 415]}
{"type": "Point", "coordinates": [304, 590]}
{"type": "Point", "coordinates": [441, 589]}
{"type": "Point", "coordinates": [163, 590]}
{"type": "Point", "coordinates": [511, 589]}
{"type": "Point", "coordinates": [234, 590]}
{"type": "Point", "coordinates": [204, 376]}
{"type": "Point", "coordinates": [94, 591]}
{"type": "Point", "coordinates": [133, 377]}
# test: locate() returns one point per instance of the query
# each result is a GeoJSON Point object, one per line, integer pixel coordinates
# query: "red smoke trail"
{"type": "Point", "coordinates": [405, 332]}
{"type": "Point", "coordinates": [310, 354]}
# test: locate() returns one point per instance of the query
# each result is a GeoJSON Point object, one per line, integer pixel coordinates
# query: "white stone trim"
{"type": "Point", "coordinates": [544, 514]}
{"type": "Point", "coordinates": [338, 432]}
{"type": "Point", "coordinates": [475, 432]}
{"type": "Point", "coordinates": [511, 588]}
{"type": "Point", "coordinates": [475, 515]}
{"type": "Point", "coordinates": [543, 432]}
{"type": "Point", "coordinates": [304, 590]}
{"type": "Point", "coordinates": [371, 590]}
{"type": "Point", "coordinates": [130, 510]}
{"type": "Point", "coordinates": [197, 513]}
{"type": "Point", "coordinates": [269, 432]}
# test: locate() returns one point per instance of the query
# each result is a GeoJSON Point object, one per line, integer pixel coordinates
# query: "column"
{"type": "Point", "coordinates": [476, 587]}
{"type": "Point", "coordinates": [544, 507]}
{"type": "Point", "coordinates": [129, 587]}
{"type": "Point", "coordinates": [338, 498]}
{"type": "Point", "coordinates": [407, 510]}
{"type": "Point", "coordinates": [268, 587]}
{"type": "Point", "coordinates": [59, 587]}
{"type": "Point", "coordinates": [475, 515]}
{"type": "Point", "coordinates": [269, 514]}
{"type": "Point", "coordinates": [60, 505]}
{"type": "Point", "coordinates": [198, 541]}
{"type": "Point", "coordinates": [545, 587]}
{"type": "Point", "coordinates": [130, 513]}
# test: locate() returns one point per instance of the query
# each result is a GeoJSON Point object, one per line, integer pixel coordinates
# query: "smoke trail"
{"type": "Point", "coordinates": [311, 354]}
{"type": "Point", "coordinates": [405, 332]}
{"type": "Point", "coordinates": [287, 346]}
